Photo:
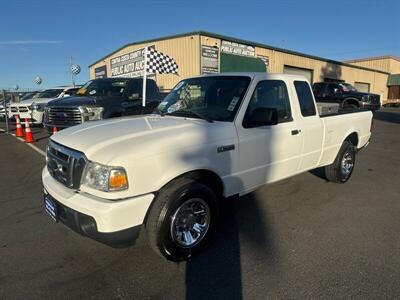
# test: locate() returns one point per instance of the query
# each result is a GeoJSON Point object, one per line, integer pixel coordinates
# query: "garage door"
{"type": "Point", "coordinates": [307, 73]}
{"type": "Point", "coordinates": [362, 87]}
{"type": "Point", "coordinates": [236, 63]}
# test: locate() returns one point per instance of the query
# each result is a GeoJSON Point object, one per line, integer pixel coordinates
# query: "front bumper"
{"type": "Point", "coordinates": [113, 222]}
{"type": "Point", "coordinates": [370, 106]}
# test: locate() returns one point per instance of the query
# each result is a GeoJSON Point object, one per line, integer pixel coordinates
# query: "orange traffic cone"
{"type": "Point", "coordinates": [19, 131]}
{"type": "Point", "coordinates": [55, 130]}
{"type": "Point", "coordinates": [28, 133]}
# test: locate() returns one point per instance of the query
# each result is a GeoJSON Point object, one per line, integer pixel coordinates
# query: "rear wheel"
{"type": "Point", "coordinates": [342, 168]}
{"type": "Point", "coordinates": [181, 219]}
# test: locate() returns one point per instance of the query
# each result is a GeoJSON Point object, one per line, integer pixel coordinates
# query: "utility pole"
{"type": "Point", "coordinates": [70, 70]}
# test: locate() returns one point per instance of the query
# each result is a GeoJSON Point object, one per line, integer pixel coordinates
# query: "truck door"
{"type": "Point", "coordinates": [269, 153]}
{"type": "Point", "coordinates": [312, 128]}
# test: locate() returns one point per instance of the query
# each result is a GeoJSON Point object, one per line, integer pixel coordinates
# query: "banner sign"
{"type": "Point", "coordinates": [100, 72]}
{"type": "Point", "coordinates": [128, 65]}
{"type": "Point", "coordinates": [209, 59]}
{"type": "Point", "coordinates": [238, 49]}
{"type": "Point", "coordinates": [265, 59]}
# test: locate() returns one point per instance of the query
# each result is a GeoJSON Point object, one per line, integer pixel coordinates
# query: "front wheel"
{"type": "Point", "coordinates": [342, 168]}
{"type": "Point", "coordinates": [181, 219]}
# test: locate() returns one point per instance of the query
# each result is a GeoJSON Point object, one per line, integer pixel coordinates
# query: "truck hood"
{"type": "Point", "coordinates": [31, 101]}
{"type": "Point", "coordinates": [112, 141]}
{"type": "Point", "coordinates": [72, 101]}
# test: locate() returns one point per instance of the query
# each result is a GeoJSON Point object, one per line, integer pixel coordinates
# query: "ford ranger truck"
{"type": "Point", "coordinates": [213, 137]}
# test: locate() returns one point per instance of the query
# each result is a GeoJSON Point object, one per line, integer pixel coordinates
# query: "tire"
{"type": "Point", "coordinates": [172, 219]}
{"type": "Point", "coordinates": [350, 106]}
{"type": "Point", "coordinates": [342, 168]}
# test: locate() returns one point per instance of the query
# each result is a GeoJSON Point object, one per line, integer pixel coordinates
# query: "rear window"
{"type": "Point", "coordinates": [305, 97]}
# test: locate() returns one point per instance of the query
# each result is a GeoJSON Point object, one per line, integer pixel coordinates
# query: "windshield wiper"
{"type": "Point", "coordinates": [190, 112]}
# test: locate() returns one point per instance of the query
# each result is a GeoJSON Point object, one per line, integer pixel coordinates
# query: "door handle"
{"type": "Point", "coordinates": [296, 131]}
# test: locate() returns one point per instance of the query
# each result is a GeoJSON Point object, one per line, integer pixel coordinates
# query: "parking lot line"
{"type": "Point", "coordinates": [41, 152]}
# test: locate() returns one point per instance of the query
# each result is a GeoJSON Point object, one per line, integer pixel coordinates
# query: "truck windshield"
{"type": "Point", "coordinates": [103, 88]}
{"type": "Point", "coordinates": [214, 98]}
{"type": "Point", "coordinates": [51, 93]}
{"type": "Point", "coordinates": [347, 87]}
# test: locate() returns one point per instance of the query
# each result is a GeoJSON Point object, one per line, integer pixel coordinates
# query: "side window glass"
{"type": "Point", "coordinates": [270, 94]}
{"type": "Point", "coordinates": [305, 97]}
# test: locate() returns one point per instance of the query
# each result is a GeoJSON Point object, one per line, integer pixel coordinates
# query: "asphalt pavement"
{"type": "Point", "coordinates": [300, 238]}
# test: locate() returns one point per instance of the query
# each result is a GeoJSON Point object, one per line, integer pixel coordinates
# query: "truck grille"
{"type": "Point", "coordinates": [19, 109]}
{"type": "Point", "coordinates": [374, 99]}
{"type": "Point", "coordinates": [63, 116]}
{"type": "Point", "coordinates": [65, 165]}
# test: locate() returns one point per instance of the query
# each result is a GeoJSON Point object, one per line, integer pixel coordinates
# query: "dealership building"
{"type": "Point", "coordinates": [202, 52]}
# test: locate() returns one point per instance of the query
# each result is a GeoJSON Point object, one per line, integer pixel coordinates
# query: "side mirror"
{"type": "Point", "coordinates": [67, 95]}
{"type": "Point", "coordinates": [134, 96]}
{"type": "Point", "coordinates": [264, 116]}
{"type": "Point", "coordinates": [336, 91]}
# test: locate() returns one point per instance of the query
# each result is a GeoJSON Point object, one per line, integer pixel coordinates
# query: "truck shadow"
{"type": "Point", "coordinates": [385, 116]}
{"type": "Point", "coordinates": [217, 272]}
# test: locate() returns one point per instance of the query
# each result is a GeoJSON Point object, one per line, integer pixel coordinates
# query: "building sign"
{"type": "Point", "coordinates": [209, 59]}
{"type": "Point", "coordinates": [238, 49]}
{"type": "Point", "coordinates": [100, 72]}
{"type": "Point", "coordinates": [128, 65]}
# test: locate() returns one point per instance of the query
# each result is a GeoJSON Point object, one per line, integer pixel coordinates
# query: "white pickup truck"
{"type": "Point", "coordinates": [33, 108]}
{"type": "Point", "coordinates": [212, 137]}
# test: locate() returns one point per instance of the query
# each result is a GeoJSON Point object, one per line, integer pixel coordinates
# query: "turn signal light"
{"type": "Point", "coordinates": [117, 180]}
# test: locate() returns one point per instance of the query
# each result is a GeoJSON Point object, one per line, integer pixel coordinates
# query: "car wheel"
{"type": "Point", "coordinates": [350, 106]}
{"type": "Point", "coordinates": [342, 168]}
{"type": "Point", "coordinates": [181, 219]}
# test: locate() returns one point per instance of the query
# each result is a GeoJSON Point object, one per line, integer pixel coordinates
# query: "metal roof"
{"type": "Point", "coordinates": [373, 58]}
{"type": "Point", "coordinates": [237, 40]}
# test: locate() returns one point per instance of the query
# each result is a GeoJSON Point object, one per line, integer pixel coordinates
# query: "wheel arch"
{"type": "Point", "coordinates": [352, 138]}
{"type": "Point", "coordinates": [351, 100]}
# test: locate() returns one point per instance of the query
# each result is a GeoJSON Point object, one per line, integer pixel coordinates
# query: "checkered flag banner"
{"type": "Point", "coordinates": [158, 62]}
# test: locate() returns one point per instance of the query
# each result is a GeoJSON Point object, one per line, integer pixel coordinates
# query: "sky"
{"type": "Point", "coordinates": [39, 37]}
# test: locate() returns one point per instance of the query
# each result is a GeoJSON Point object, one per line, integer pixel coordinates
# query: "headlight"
{"type": "Point", "coordinates": [91, 113]}
{"type": "Point", "coordinates": [104, 178]}
{"type": "Point", "coordinates": [365, 98]}
{"type": "Point", "coordinates": [38, 106]}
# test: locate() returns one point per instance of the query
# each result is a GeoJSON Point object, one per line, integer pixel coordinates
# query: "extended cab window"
{"type": "Point", "coordinates": [270, 94]}
{"type": "Point", "coordinates": [305, 97]}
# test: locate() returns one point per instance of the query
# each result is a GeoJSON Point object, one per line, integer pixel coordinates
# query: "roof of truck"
{"type": "Point", "coordinates": [258, 75]}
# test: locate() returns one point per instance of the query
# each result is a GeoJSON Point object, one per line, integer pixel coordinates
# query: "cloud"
{"type": "Point", "coordinates": [29, 42]}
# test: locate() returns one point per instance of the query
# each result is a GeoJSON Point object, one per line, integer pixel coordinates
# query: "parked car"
{"type": "Point", "coordinates": [346, 95]}
{"type": "Point", "coordinates": [214, 136]}
{"type": "Point", "coordinates": [29, 95]}
{"type": "Point", "coordinates": [33, 108]}
{"type": "Point", "coordinates": [102, 99]}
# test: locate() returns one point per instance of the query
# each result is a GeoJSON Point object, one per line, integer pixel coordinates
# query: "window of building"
{"type": "Point", "coordinates": [271, 94]}
{"type": "Point", "coordinates": [362, 87]}
{"type": "Point", "coordinates": [306, 101]}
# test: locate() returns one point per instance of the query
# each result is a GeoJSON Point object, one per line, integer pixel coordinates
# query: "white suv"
{"type": "Point", "coordinates": [34, 108]}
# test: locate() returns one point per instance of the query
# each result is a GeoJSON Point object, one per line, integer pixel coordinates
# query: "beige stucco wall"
{"type": "Point", "coordinates": [322, 69]}
{"type": "Point", "coordinates": [385, 64]}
